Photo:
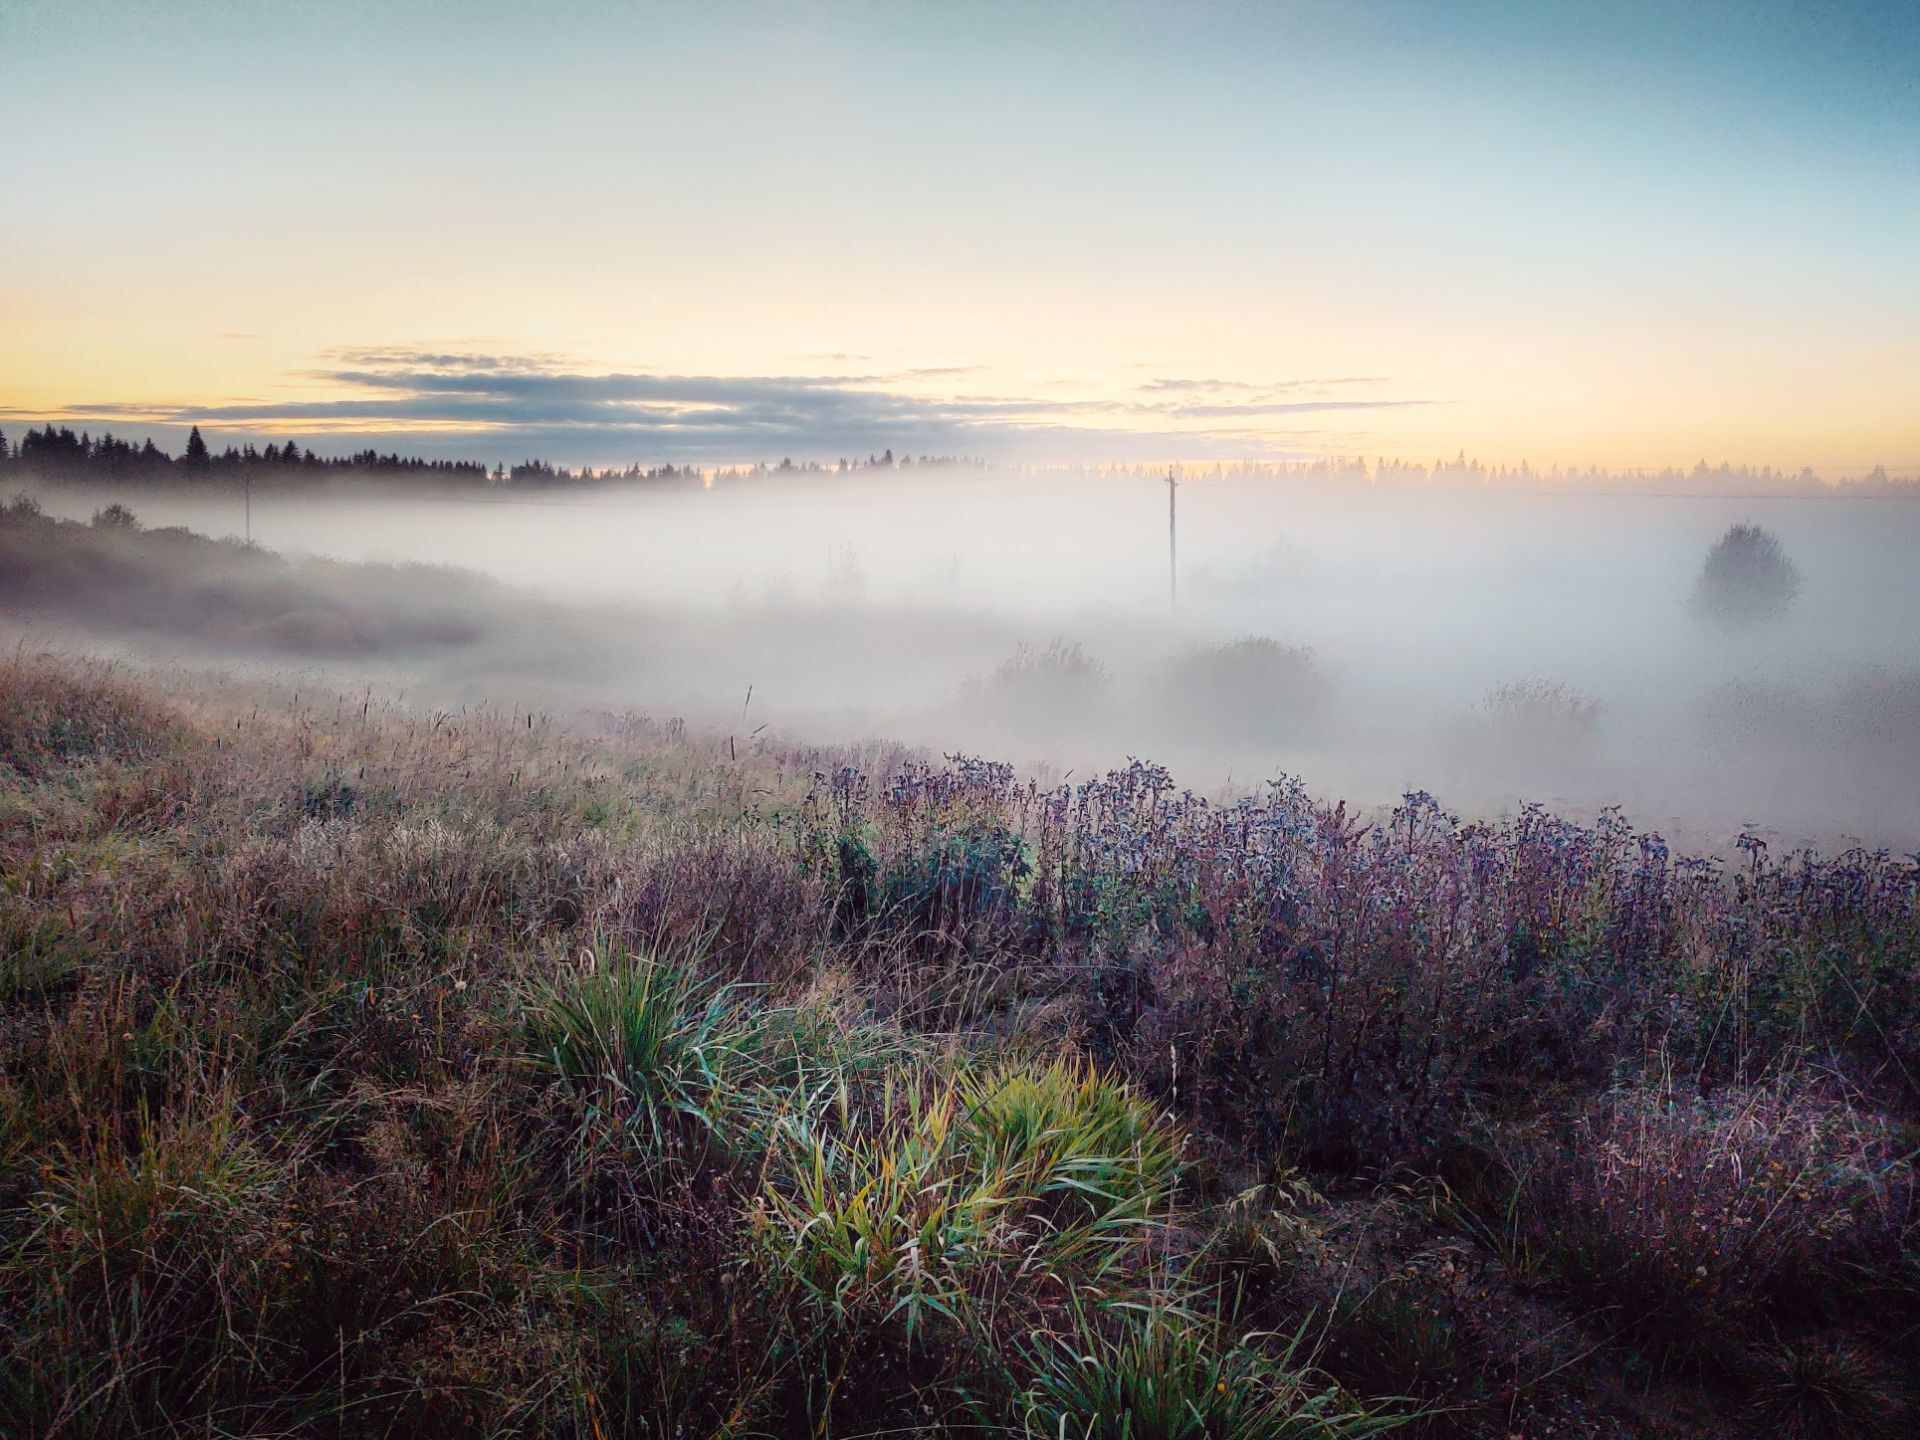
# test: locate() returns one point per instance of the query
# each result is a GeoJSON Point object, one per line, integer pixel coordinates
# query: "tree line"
{"type": "Point", "coordinates": [58, 452]}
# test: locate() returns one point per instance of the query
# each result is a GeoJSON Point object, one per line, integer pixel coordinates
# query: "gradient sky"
{"type": "Point", "coordinates": [1625, 232]}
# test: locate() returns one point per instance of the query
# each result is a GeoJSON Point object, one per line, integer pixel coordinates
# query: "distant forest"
{"type": "Point", "coordinates": [58, 453]}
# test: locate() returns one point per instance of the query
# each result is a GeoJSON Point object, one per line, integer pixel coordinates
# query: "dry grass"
{"type": "Point", "coordinates": [368, 1071]}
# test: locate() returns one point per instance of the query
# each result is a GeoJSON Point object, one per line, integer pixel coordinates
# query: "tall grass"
{"type": "Point", "coordinates": [1153, 1372]}
{"type": "Point", "coordinates": [365, 1071]}
{"type": "Point", "coordinates": [644, 1038]}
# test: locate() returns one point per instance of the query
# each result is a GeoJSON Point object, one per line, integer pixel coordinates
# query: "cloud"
{"type": "Point", "coordinates": [1191, 384]}
{"type": "Point", "coordinates": [476, 404]}
{"type": "Point", "coordinates": [404, 357]}
{"type": "Point", "coordinates": [1289, 407]}
{"type": "Point", "coordinates": [1272, 387]}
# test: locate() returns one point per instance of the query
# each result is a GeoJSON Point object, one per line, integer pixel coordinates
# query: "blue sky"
{"type": "Point", "coordinates": [1631, 233]}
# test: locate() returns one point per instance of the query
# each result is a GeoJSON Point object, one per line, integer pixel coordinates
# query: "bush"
{"type": "Point", "coordinates": [1247, 691]}
{"type": "Point", "coordinates": [1044, 691]}
{"type": "Point", "coordinates": [144, 1255]}
{"type": "Point", "coordinates": [115, 575]}
{"type": "Point", "coordinates": [306, 1126]}
{"type": "Point", "coordinates": [1540, 722]}
{"type": "Point", "coordinates": [1880, 709]}
{"type": "Point", "coordinates": [1747, 577]}
{"type": "Point", "coordinates": [115, 517]}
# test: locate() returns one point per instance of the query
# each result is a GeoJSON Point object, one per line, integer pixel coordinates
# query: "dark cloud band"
{"type": "Point", "coordinates": [481, 403]}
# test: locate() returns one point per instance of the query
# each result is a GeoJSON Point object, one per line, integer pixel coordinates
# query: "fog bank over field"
{"type": "Point", "coordinates": [1489, 647]}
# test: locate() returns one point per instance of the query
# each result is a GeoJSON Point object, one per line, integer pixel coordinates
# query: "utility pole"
{"type": "Point", "coordinates": [248, 486]}
{"type": "Point", "coordinates": [1173, 568]}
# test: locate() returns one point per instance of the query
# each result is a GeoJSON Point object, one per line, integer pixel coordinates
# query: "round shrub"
{"type": "Point", "coordinates": [1045, 690]}
{"type": "Point", "coordinates": [1249, 690]}
{"type": "Point", "coordinates": [1747, 577]}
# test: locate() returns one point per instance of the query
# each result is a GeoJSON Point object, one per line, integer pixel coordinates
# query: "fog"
{"type": "Point", "coordinates": [1492, 648]}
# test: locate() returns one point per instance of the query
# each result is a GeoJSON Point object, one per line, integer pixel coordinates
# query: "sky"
{"type": "Point", "coordinates": [1631, 234]}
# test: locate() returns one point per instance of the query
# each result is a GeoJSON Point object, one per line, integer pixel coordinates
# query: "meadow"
{"type": "Point", "coordinates": [377, 1069]}
{"type": "Point", "coordinates": [1493, 648]}
{"type": "Point", "coordinates": [780, 721]}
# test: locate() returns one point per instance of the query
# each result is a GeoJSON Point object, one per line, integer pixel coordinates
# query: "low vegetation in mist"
{"type": "Point", "coordinates": [1874, 715]}
{"type": "Point", "coordinates": [1249, 691]}
{"type": "Point", "coordinates": [1248, 694]}
{"type": "Point", "coordinates": [365, 1071]}
{"type": "Point", "coordinates": [1540, 723]}
{"type": "Point", "coordinates": [1043, 691]}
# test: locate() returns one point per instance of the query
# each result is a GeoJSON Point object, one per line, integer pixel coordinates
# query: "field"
{"type": "Point", "coordinates": [1107, 720]}
{"type": "Point", "coordinates": [1492, 648]}
{"type": "Point", "coordinates": [374, 1069]}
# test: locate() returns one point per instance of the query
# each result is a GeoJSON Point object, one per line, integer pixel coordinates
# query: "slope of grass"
{"type": "Point", "coordinates": [372, 1072]}
{"type": "Point", "coordinates": [172, 582]}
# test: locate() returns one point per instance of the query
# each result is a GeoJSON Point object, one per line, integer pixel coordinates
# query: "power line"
{"type": "Point", "coordinates": [1173, 567]}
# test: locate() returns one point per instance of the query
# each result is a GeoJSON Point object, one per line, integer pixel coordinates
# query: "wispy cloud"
{"type": "Point", "coordinates": [1269, 388]}
{"type": "Point", "coordinates": [502, 405]}
{"type": "Point", "coordinates": [407, 358]}
{"type": "Point", "coordinates": [1283, 407]}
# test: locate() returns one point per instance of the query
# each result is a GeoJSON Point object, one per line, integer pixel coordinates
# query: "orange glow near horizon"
{"type": "Point", "coordinates": [1313, 245]}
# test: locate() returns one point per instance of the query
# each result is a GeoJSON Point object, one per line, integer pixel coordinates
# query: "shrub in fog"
{"type": "Point", "coordinates": [1250, 689]}
{"type": "Point", "coordinates": [115, 517]}
{"type": "Point", "coordinates": [1541, 720]}
{"type": "Point", "coordinates": [1747, 577]}
{"type": "Point", "coordinates": [1045, 688]}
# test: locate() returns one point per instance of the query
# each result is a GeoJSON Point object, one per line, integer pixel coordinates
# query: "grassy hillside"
{"type": "Point", "coordinates": [116, 575]}
{"type": "Point", "coordinates": [374, 1072]}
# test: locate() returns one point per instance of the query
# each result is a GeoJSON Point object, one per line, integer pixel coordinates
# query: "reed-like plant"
{"type": "Point", "coordinates": [884, 1221]}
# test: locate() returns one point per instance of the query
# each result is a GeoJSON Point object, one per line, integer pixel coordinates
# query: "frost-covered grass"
{"type": "Point", "coordinates": [367, 1071]}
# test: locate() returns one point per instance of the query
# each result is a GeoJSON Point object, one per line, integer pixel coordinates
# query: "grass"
{"type": "Point", "coordinates": [368, 1071]}
{"type": "Point", "coordinates": [883, 1225]}
{"type": "Point", "coordinates": [1078, 1143]}
{"type": "Point", "coordinates": [642, 1038]}
{"type": "Point", "coordinates": [1152, 1372]}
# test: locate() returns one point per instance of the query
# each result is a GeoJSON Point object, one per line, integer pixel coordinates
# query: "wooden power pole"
{"type": "Point", "coordinates": [1173, 566]}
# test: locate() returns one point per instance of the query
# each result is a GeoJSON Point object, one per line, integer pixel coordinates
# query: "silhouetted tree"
{"type": "Point", "coordinates": [115, 517]}
{"type": "Point", "coordinates": [196, 456]}
{"type": "Point", "coordinates": [1747, 577]}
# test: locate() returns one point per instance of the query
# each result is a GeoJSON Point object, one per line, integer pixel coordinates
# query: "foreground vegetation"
{"type": "Point", "coordinates": [376, 1072]}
